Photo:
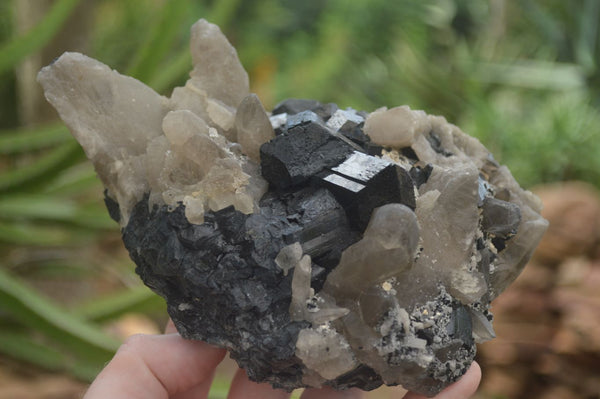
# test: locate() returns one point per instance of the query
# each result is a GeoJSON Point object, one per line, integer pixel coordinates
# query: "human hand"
{"type": "Point", "coordinates": [170, 367]}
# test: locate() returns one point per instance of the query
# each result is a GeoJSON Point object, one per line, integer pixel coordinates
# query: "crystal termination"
{"type": "Point", "coordinates": [320, 246]}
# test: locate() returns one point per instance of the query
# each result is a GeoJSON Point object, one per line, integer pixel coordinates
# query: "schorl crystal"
{"type": "Point", "coordinates": [321, 246]}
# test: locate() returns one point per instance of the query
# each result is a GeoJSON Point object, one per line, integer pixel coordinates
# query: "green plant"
{"type": "Point", "coordinates": [49, 204]}
{"type": "Point", "coordinates": [522, 76]}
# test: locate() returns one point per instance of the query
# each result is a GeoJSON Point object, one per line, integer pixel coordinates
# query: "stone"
{"type": "Point", "coordinates": [362, 183]}
{"type": "Point", "coordinates": [345, 118]}
{"type": "Point", "coordinates": [175, 156]}
{"type": "Point", "coordinates": [326, 351]}
{"type": "Point", "coordinates": [90, 107]}
{"type": "Point", "coordinates": [388, 251]}
{"type": "Point", "coordinates": [500, 218]}
{"type": "Point", "coordinates": [320, 246]}
{"type": "Point", "coordinates": [301, 291]}
{"type": "Point", "coordinates": [306, 149]}
{"type": "Point", "coordinates": [396, 127]}
{"type": "Point", "coordinates": [302, 118]}
{"type": "Point", "coordinates": [217, 68]}
{"type": "Point", "coordinates": [419, 174]}
{"type": "Point", "coordinates": [293, 106]}
{"type": "Point", "coordinates": [253, 126]}
{"type": "Point", "coordinates": [288, 257]}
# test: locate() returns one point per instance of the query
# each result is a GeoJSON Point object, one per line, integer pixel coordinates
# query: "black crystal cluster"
{"type": "Point", "coordinates": [322, 146]}
{"type": "Point", "coordinates": [319, 245]}
{"type": "Point", "coordinates": [220, 279]}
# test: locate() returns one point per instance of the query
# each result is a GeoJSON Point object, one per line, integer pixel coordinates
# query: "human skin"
{"type": "Point", "coordinates": [170, 367]}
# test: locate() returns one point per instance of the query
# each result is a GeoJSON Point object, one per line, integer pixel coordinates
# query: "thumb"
{"type": "Point", "coordinates": [155, 366]}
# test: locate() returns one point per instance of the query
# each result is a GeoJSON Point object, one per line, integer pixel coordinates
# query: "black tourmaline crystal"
{"type": "Point", "coordinates": [220, 277]}
{"type": "Point", "coordinates": [321, 246]}
{"type": "Point", "coordinates": [223, 285]}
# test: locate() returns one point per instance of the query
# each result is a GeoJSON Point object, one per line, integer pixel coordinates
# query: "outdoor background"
{"type": "Point", "coordinates": [522, 76]}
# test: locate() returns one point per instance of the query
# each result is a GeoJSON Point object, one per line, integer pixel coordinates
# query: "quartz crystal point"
{"type": "Point", "coordinates": [173, 150]}
{"type": "Point", "coordinates": [320, 246]}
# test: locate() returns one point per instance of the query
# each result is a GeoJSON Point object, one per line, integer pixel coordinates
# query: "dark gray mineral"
{"type": "Point", "coordinates": [223, 284]}
{"type": "Point", "coordinates": [319, 245]}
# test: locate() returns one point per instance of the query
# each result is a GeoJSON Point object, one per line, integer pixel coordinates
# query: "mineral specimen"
{"type": "Point", "coordinates": [320, 246]}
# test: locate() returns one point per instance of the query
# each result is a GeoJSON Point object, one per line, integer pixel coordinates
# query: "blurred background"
{"type": "Point", "coordinates": [522, 76]}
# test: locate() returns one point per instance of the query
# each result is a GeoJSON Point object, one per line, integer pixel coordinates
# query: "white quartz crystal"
{"type": "Point", "coordinates": [415, 270]}
{"type": "Point", "coordinates": [448, 230]}
{"type": "Point", "coordinates": [513, 259]}
{"type": "Point", "coordinates": [382, 278]}
{"type": "Point", "coordinates": [217, 69]}
{"type": "Point", "coordinates": [447, 207]}
{"type": "Point", "coordinates": [253, 126]}
{"type": "Point", "coordinates": [482, 328]}
{"type": "Point", "coordinates": [177, 150]}
{"type": "Point", "coordinates": [301, 290]}
{"type": "Point", "coordinates": [288, 257]}
{"type": "Point", "coordinates": [396, 127]}
{"type": "Point", "coordinates": [386, 248]}
{"type": "Point", "coordinates": [114, 117]}
{"type": "Point", "coordinates": [325, 351]}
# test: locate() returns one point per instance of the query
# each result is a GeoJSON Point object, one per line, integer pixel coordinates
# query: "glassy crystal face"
{"type": "Point", "coordinates": [320, 246]}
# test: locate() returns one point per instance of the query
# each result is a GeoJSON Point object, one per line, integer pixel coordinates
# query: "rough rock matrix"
{"type": "Point", "coordinates": [320, 246]}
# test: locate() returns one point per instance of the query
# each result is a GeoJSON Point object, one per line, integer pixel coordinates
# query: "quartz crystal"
{"type": "Point", "coordinates": [319, 245]}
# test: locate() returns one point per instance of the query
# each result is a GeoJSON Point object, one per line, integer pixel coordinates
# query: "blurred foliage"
{"type": "Point", "coordinates": [522, 76]}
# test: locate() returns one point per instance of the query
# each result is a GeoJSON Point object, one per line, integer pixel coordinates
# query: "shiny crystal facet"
{"type": "Point", "coordinates": [319, 246]}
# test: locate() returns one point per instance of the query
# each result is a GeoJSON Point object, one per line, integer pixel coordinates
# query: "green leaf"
{"type": "Point", "coordinates": [20, 47]}
{"type": "Point", "coordinates": [24, 140]}
{"type": "Point", "coordinates": [139, 300]}
{"type": "Point", "coordinates": [546, 23]}
{"type": "Point", "coordinates": [34, 206]}
{"type": "Point", "coordinates": [21, 347]}
{"type": "Point", "coordinates": [585, 47]}
{"type": "Point", "coordinates": [172, 71]}
{"type": "Point", "coordinates": [223, 11]}
{"type": "Point", "coordinates": [533, 74]}
{"type": "Point", "coordinates": [48, 165]}
{"type": "Point", "coordinates": [74, 180]}
{"type": "Point", "coordinates": [160, 42]}
{"type": "Point", "coordinates": [40, 314]}
{"type": "Point", "coordinates": [93, 217]}
{"type": "Point", "coordinates": [36, 235]}
{"type": "Point", "coordinates": [219, 388]}
{"type": "Point", "coordinates": [69, 265]}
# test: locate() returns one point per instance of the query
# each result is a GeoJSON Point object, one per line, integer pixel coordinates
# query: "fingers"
{"type": "Point", "coordinates": [167, 366]}
{"type": "Point", "coordinates": [156, 366]}
{"type": "Point", "coordinates": [170, 327]}
{"type": "Point", "coordinates": [462, 389]}
{"type": "Point", "coordinates": [329, 393]}
{"type": "Point", "coordinates": [200, 391]}
{"type": "Point", "coordinates": [243, 388]}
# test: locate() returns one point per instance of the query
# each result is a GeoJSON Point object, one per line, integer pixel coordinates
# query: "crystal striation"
{"type": "Point", "coordinates": [321, 246]}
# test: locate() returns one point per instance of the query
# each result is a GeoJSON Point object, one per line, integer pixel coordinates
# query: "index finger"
{"type": "Point", "coordinates": [155, 366]}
